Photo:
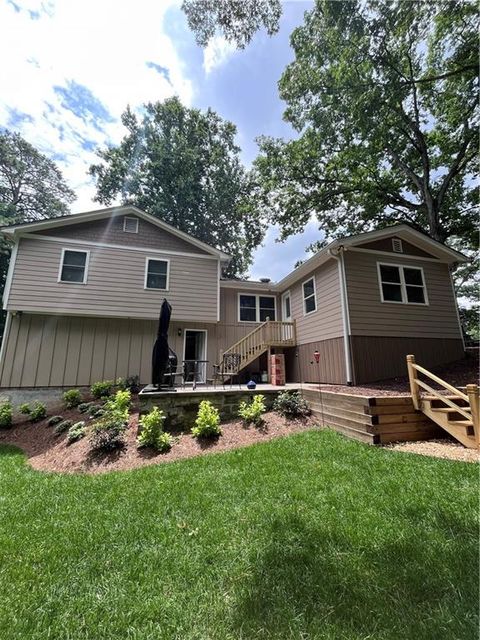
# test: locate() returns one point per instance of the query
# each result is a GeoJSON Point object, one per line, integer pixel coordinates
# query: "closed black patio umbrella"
{"type": "Point", "coordinates": [162, 355]}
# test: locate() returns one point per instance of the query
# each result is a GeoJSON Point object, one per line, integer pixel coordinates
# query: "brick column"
{"type": "Point", "coordinates": [277, 369]}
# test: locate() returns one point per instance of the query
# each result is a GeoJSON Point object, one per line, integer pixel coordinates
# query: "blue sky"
{"type": "Point", "coordinates": [74, 67]}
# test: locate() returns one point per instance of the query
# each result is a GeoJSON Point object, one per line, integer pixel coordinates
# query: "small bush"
{"type": "Point", "coordinates": [6, 415]}
{"type": "Point", "coordinates": [207, 424]}
{"type": "Point", "coordinates": [151, 434]}
{"type": "Point", "coordinates": [24, 408]}
{"type": "Point", "coordinates": [109, 431]}
{"type": "Point", "coordinates": [133, 383]}
{"type": "Point", "coordinates": [72, 398]}
{"type": "Point", "coordinates": [291, 404]}
{"type": "Point", "coordinates": [76, 432]}
{"type": "Point", "coordinates": [62, 426]}
{"type": "Point", "coordinates": [36, 412]}
{"type": "Point", "coordinates": [96, 412]}
{"type": "Point", "coordinates": [51, 422]}
{"type": "Point", "coordinates": [102, 389]}
{"type": "Point", "coordinates": [84, 407]}
{"type": "Point", "coordinates": [119, 403]}
{"type": "Point", "coordinates": [251, 413]}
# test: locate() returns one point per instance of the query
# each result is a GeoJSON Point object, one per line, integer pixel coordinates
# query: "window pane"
{"type": "Point", "coordinates": [248, 301]}
{"type": "Point", "coordinates": [156, 281]}
{"type": "Point", "coordinates": [247, 314]}
{"type": "Point", "coordinates": [415, 294]}
{"type": "Point", "coordinates": [412, 276]}
{"type": "Point", "coordinates": [308, 289]}
{"type": "Point", "coordinates": [310, 304]}
{"type": "Point", "coordinates": [75, 258]}
{"type": "Point", "coordinates": [389, 274]}
{"type": "Point", "coordinates": [72, 274]}
{"type": "Point", "coordinates": [267, 313]}
{"type": "Point", "coordinates": [157, 266]}
{"type": "Point", "coordinates": [288, 312]}
{"type": "Point", "coordinates": [267, 303]}
{"type": "Point", "coordinates": [392, 292]}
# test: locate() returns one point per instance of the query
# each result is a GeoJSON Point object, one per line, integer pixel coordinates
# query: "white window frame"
{"type": "Point", "coordinates": [305, 312]}
{"type": "Point", "coordinates": [125, 218]}
{"type": "Point", "coordinates": [286, 295]}
{"type": "Point", "coordinates": [257, 297]}
{"type": "Point", "coordinates": [403, 285]}
{"type": "Point", "coordinates": [85, 272]}
{"type": "Point", "coordinates": [157, 259]}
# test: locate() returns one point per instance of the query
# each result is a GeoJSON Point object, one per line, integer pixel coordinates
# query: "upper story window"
{"type": "Point", "coordinates": [130, 225]}
{"type": "Point", "coordinates": [156, 274]}
{"type": "Point", "coordinates": [309, 296]}
{"type": "Point", "coordinates": [400, 284]}
{"type": "Point", "coordinates": [74, 266]}
{"type": "Point", "coordinates": [256, 308]}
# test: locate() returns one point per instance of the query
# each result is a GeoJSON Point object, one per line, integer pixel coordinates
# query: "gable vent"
{"type": "Point", "coordinates": [397, 245]}
{"type": "Point", "coordinates": [130, 225]}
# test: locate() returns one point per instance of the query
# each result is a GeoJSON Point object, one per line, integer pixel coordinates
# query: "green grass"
{"type": "Point", "coordinates": [306, 537]}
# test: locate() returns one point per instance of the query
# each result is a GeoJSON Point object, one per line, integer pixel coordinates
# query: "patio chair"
{"type": "Point", "coordinates": [227, 369]}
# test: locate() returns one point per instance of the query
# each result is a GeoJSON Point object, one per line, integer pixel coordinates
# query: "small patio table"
{"type": "Point", "coordinates": [194, 370]}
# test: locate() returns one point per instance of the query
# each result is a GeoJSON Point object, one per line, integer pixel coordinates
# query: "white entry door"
{"type": "Point", "coordinates": [287, 332]}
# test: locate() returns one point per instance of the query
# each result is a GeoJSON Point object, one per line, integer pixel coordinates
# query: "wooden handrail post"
{"type": "Point", "coordinates": [473, 399]}
{"type": "Point", "coordinates": [412, 378]}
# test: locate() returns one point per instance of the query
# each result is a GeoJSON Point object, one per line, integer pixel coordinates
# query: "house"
{"type": "Point", "coordinates": [83, 293]}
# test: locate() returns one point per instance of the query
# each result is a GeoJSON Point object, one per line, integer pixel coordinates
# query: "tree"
{"type": "Point", "coordinates": [31, 188]}
{"type": "Point", "coordinates": [237, 20]}
{"type": "Point", "coordinates": [182, 165]}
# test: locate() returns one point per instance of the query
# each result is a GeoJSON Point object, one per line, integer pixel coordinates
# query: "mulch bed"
{"type": "Point", "coordinates": [47, 452]}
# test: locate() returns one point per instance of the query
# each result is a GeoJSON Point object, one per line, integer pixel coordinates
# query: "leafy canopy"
{"type": "Point", "coordinates": [384, 95]}
{"type": "Point", "coordinates": [183, 166]}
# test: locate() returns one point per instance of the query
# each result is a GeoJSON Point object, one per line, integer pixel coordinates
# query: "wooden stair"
{"type": "Point", "coordinates": [271, 333]}
{"type": "Point", "coordinates": [457, 413]}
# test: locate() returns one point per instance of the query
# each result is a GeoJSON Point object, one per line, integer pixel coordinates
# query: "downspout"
{"type": "Point", "coordinates": [451, 268]}
{"type": "Point", "coordinates": [337, 254]}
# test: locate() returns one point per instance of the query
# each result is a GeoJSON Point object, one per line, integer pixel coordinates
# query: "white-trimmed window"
{"type": "Point", "coordinates": [401, 284]}
{"type": "Point", "coordinates": [256, 308]}
{"type": "Point", "coordinates": [309, 296]}
{"type": "Point", "coordinates": [74, 266]}
{"type": "Point", "coordinates": [130, 225]}
{"type": "Point", "coordinates": [157, 274]}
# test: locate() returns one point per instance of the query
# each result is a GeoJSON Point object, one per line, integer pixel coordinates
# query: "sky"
{"type": "Point", "coordinates": [71, 68]}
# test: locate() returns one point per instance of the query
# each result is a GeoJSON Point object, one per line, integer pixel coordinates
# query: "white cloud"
{"type": "Point", "coordinates": [101, 45]}
{"type": "Point", "coordinates": [217, 53]}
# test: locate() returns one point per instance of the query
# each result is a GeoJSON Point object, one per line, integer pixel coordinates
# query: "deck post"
{"type": "Point", "coordinates": [412, 378]}
{"type": "Point", "coordinates": [473, 399]}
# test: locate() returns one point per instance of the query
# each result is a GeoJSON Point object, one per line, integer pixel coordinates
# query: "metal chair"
{"type": "Point", "coordinates": [228, 368]}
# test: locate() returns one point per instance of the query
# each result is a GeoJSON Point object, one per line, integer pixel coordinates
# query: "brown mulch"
{"type": "Point", "coordinates": [47, 452]}
{"type": "Point", "coordinates": [447, 449]}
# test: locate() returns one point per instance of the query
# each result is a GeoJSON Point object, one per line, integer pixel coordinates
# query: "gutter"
{"type": "Point", "coordinates": [337, 254]}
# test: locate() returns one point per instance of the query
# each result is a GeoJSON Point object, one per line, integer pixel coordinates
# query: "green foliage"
{"type": "Point", "coordinates": [236, 21]}
{"type": "Point", "coordinates": [36, 411]}
{"type": "Point", "coordinates": [102, 389]}
{"type": "Point", "coordinates": [84, 407]}
{"type": "Point", "coordinates": [132, 383]}
{"type": "Point", "coordinates": [76, 432]}
{"type": "Point", "coordinates": [109, 431]}
{"type": "Point", "coordinates": [384, 96]}
{"type": "Point", "coordinates": [183, 166]}
{"type": "Point", "coordinates": [51, 422]}
{"type": "Point", "coordinates": [291, 404]}
{"type": "Point", "coordinates": [96, 412]}
{"type": "Point", "coordinates": [207, 424]}
{"type": "Point", "coordinates": [152, 434]}
{"type": "Point", "coordinates": [72, 398]}
{"type": "Point", "coordinates": [251, 412]}
{"type": "Point", "coordinates": [6, 414]}
{"type": "Point", "coordinates": [62, 426]}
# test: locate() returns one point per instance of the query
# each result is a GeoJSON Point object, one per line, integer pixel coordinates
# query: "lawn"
{"type": "Point", "coordinates": [305, 537]}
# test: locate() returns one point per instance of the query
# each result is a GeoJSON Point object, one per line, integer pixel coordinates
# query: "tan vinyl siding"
{"type": "Point", "coordinates": [230, 330]}
{"type": "Point", "coordinates": [115, 284]}
{"type": "Point", "coordinates": [369, 316]}
{"type": "Point", "coordinates": [326, 322]}
{"type": "Point", "coordinates": [386, 245]}
{"type": "Point", "coordinates": [110, 231]}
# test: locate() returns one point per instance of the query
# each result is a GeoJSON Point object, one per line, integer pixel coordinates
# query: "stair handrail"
{"type": "Point", "coordinates": [234, 346]}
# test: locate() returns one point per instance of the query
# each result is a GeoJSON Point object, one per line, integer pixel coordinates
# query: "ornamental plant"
{"type": "Point", "coordinates": [35, 412]}
{"type": "Point", "coordinates": [102, 389]}
{"type": "Point", "coordinates": [152, 434]}
{"type": "Point", "coordinates": [76, 432]}
{"type": "Point", "coordinates": [109, 431]}
{"type": "Point", "coordinates": [6, 414]}
{"type": "Point", "coordinates": [72, 398]}
{"type": "Point", "coordinates": [207, 424]}
{"type": "Point", "coordinates": [251, 412]}
{"type": "Point", "coordinates": [291, 404]}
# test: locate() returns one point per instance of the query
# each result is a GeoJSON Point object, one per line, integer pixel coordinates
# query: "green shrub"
{"type": "Point", "coordinates": [36, 412]}
{"type": "Point", "coordinates": [291, 404]}
{"type": "Point", "coordinates": [119, 403]}
{"type": "Point", "coordinates": [132, 383]}
{"type": "Point", "coordinates": [84, 407]}
{"type": "Point", "coordinates": [62, 426]}
{"type": "Point", "coordinates": [6, 414]}
{"type": "Point", "coordinates": [109, 431]}
{"type": "Point", "coordinates": [76, 432]}
{"type": "Point", "coordinates": [152, 434]}
{"type": "Point", "coordinates": [207, 424]}
{"type": "Point", "coordinates": [72, 398]}
{"type": "Point", "coordinates": [251, 413]}
{"type": "Point", "coordinates": [102, 389]}
{"type": "Point", "coordinates": [96, 412]}
{"type": "Point", "coordinates": [51, 422]}
{"type": "Point", "coordinates": [24, 408]}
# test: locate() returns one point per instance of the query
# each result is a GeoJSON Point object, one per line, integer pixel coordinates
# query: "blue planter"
{"type": "Point", "coordinates": [251, 384]}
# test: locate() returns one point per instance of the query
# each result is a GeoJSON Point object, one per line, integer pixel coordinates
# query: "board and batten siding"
{"type": "Point", "coordinates": [115, 283]}
{"type": "Point", "coordinates": [369, 316]}
{"type": "Point", "coordinates": [326, 322]}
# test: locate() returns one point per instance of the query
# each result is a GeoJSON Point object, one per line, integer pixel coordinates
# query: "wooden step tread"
{"type": "Point", "coordinates": [449, 397]}
{"type": "Point", "coordinates": [450, 410]}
